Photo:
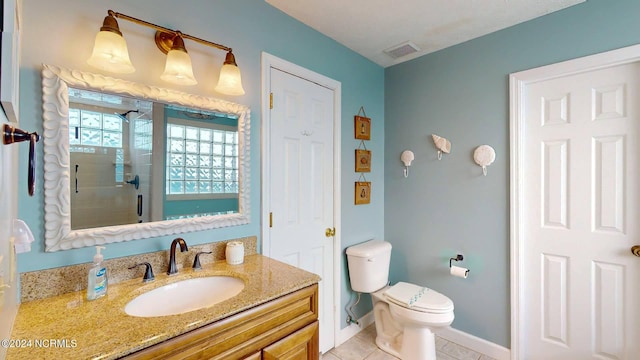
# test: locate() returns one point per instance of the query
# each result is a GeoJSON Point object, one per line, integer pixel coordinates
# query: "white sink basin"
{"type": "Point", "coordinates": [184, 296]}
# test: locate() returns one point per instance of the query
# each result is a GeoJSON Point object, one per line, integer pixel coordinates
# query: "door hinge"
{"type": "Point", "coordinates": [270, 219]}
{"type": "Point", "coordinates": [270, 100]}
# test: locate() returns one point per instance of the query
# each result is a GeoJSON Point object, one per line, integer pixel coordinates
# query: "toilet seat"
{"type": "Point", "coordinates": [418, 298]}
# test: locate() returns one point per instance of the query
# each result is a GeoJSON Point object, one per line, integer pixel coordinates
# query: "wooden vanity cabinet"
{"type": "Point", "coordinates": [256, 356]}
{"type": "Point", "coordinates": [284, 328]}
{"type": "Point", "coordinates": [301, 345]}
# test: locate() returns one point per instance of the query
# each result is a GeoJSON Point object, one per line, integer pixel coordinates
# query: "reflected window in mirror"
{"type": "Point", "coordinates": [201, 163]}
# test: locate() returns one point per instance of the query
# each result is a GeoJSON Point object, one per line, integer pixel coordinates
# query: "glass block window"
{"type": "Point", "coordinates": [119, 163]}
{"type": "Point", "coordinates": [201, 159]}
{"type": "Point", "coordinates": [92, 128]}
{"type": "Point", "coordinates": [143, 134]}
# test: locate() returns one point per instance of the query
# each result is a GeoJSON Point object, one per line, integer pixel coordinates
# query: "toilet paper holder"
{"type": "Point", "coordinates": [458, 257]}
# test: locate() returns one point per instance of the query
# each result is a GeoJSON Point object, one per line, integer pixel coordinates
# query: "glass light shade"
{"type": "Point", "coordinates": [230, 81]}
{"type": "Point", "coordinates": [177, 69]}
{"type": "Point", "coordinates": [110, 54]}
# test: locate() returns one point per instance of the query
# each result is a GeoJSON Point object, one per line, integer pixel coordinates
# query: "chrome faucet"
{"type": "Point", "coordinates": [173, 269]}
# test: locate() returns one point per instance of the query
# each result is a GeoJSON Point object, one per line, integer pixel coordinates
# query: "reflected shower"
{"type": "Point", "coordinates": [123, 115]}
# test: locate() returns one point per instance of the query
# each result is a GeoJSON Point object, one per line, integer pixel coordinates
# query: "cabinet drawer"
{"type": "Point", "coordinates": [301, 345]}
{"type": "Point", "coordinates": [242, 334]}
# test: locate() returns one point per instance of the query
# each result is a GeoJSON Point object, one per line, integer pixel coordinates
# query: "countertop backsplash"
{"type": "Point", "coordinates": [43, 284]}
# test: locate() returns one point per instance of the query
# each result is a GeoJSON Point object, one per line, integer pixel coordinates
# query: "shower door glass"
{"type": "Point", "coordinates": [110, 139]}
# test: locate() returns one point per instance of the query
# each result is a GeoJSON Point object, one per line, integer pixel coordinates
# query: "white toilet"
{"type": "Point", "coordinates": [406, 315]}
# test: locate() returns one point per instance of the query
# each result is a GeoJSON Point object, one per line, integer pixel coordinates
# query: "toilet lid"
{"type": "Point", "coordinates": [418, 298]}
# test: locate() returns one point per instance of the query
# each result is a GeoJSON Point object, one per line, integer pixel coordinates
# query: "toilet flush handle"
{"type": "Point", "coordinates": [370, 259]}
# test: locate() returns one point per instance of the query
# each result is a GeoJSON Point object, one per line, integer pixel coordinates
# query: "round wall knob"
{"type": "Point", "coordinates": [636, 250]}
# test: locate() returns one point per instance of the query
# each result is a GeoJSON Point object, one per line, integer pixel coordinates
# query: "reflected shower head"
{"type": "Point", "coordinates": [123, 115]}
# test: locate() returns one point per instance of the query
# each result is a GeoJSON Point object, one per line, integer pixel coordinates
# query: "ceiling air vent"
{"type": "Point", "coordinates": [401, 50]}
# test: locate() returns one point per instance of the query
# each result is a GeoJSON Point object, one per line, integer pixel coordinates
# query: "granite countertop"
{"type": "Point", "coordinates": [70, 327]}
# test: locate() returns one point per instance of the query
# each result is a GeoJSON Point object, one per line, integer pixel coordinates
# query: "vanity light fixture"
{"type": "Point", "coordinates": [177, 69]}
{"type": "Point", "coordinates": [110, 54]}
{"type": "Point", "coordinates": [110, 49]}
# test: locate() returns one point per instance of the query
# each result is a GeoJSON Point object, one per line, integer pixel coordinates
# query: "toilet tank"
{"type": "Point", "coordinates": [369, 265]}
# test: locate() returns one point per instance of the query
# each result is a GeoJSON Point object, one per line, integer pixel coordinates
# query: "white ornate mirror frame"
{"type": "Point", "coordinates": [57, 200]}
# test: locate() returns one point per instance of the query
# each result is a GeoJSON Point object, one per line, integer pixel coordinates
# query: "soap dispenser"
{"type": "Point", "coordinates": [97, 280]}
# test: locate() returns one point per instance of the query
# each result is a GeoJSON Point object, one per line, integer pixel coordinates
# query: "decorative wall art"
{"type": "Point", "coordinates": [362, 191]}
{"type": "Point", "coordinates": [362, 131]}
{"type": "Point", "coordinates": [363, 160]}
{"type": "Point", "coordinates": [362, 126]}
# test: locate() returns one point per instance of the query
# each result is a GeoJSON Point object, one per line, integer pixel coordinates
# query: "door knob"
{"type": "Point", "coordinates": [332, 232]}
{"type": "Point", "coordinates": [636, 250]}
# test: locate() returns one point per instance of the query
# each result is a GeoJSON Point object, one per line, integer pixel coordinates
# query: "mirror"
{"type": "Point", "coordinates": [102, 134]}
{"type": "Point", "coordinates": [134, 160]}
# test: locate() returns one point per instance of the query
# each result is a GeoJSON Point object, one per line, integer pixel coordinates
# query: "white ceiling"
{"type": "Point", "coordinates": [369, 27]}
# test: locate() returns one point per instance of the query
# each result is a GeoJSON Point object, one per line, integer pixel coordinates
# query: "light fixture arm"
{"type": "Point", "coordinates": [163, 29]}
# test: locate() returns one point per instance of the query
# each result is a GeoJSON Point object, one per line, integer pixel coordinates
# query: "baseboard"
{"type": "Point", "coordinates": [353, 329]}
{"type": "Point", "coordinates": [459, 337]}
{"type": "Point", "coordinates": [475, 343]}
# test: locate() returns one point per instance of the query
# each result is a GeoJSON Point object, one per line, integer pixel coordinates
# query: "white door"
{"type": "Point", "coordinates": [581, 216]}
{"type": "Point", "coordinates": [301, 184]}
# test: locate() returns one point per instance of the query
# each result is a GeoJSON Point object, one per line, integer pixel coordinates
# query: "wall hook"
{"type": "Point", "coordinates": [14, 135]}
{"type": "Point", "coordinates": [407, 157]}
{"type": "Point", "coordinates": [484, 155]}
{"type": "Point", "coordinates": [443, 145]}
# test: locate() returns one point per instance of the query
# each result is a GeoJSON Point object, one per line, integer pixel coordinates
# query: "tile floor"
{"type": "Point", "coordinates": [363, 346]}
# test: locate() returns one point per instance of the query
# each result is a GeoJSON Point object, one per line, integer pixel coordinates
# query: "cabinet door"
{"type": "Point", "coordinates": [301, 345]}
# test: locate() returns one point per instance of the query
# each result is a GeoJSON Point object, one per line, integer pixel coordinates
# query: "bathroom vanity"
{"type": "Point", "coordinates": [275, 316]}
{"type": "Point", "coordinates": [284, 328]}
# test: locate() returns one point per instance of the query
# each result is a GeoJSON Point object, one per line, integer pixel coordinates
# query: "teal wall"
{"type": "Point", "coordinates": [447, 207]}
{"type": "Point", "coordinates": [175, 208]}
{"type": "Point", "coordinates": [250, 27]}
